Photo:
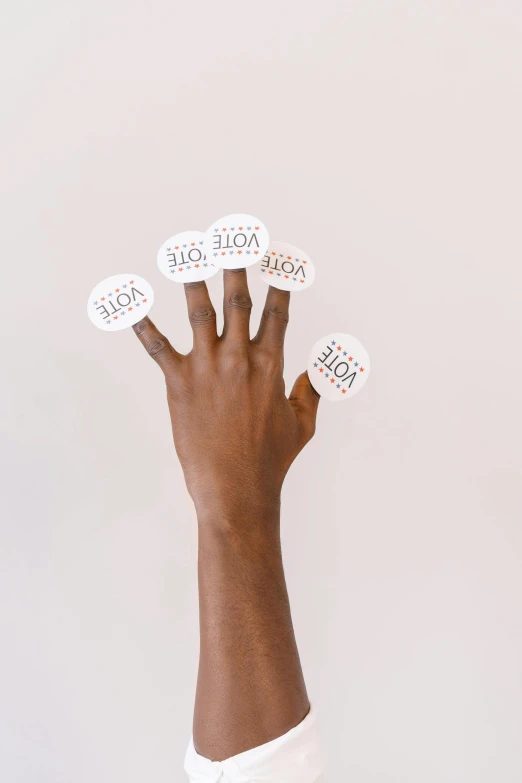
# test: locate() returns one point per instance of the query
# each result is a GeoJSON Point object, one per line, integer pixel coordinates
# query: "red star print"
{"type": "Point", "coordinates": [197, 266]}
{"type": "Point", "coordinates": [180, 270]}
{"type": "Point", "coordinates": [257, 228]}
{"type": "Point", "coordinates": [115, 317]}
{"type": "Point", "coordinates": [256, 252]}
{"type": "Point", "coordinates": [241, 228]}
{"type": "Point", "coordinates": [305, 262]}
{"type": "Point", "coordinates": [270, 272]}
{"type": "Point", "coordinates": [289, 258]}
{"type": "Point", "coordinates": [350, 358]}
{"type": "Point", "coordinates": [339, 347]}
{"type": "Point", "coordinates": [361, 369]}
{"type": "Point", "coordinates": [343, 391]}
{"type": "Point", "coordinates": [131, 282]}
{"type": "Point", "coordinates": [177, 247]}
{"type": "Point", "coordinates": [192, 244]}
{"type": "Point", "coordinates": [301, 281]}
{"type": "Point", "coordinates": [117, 290]}
{"type": "Point", "coordinates": [223, 229]}
{"type": "Point", "coordinates": [239, 252]}
{"type": "Point", "coordinates": [286, 277]}
{"type": "Point", "coordinates": [143, 300]}
{"type": "Point", "coordinates": [273, 253]}
{"type": "Point", "coordinates": [321, 369]}
{"type": "Point", "coordinates": [129, 308]}
{"type": "Point", "coordinates": [103, 299]}
{"type": "Point", "coordinates": [223, 253]}
{"type": "Point", "coordinates": [332, 380]}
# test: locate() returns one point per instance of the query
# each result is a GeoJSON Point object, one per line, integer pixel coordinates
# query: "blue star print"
{"type": "Point", "coordinates": [356, 364]}
{"type": "Point", "coordinates": [95, 303]}
{"type": "Point", "coordinates": [215, 254]}
{"type": "Point", "coordinates": [333, 342]}
{"type": "Point", "coordinates": [205, 264]}
{"type": "Point", "coordinates": [344, 353]}
{"type": "Point", "coordinates": [326, 375]}
{"type": "Point", "coordinates": [138, 304]}
{"type": "Point", "coordinates": [124, 286]}
{"type": "Point", "coordinates": [263, 270]}
{"type": "Point", "coordinates": [172, 271]}
{"type": "Point", "coordinates": [249, 228]}
{"type": "Point", "coordinates": [216, 229]}
{"type": "Point", "coordinates": [338, 385]}
{"type": "Point", "coordinates": [315, 364]}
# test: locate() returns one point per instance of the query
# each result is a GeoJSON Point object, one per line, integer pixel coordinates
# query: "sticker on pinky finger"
{"type": "Point", "coordinates": [338, 366]}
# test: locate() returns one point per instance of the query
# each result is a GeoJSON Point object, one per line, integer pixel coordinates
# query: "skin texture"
{"type": "Point", "coordinates": [236, 434]}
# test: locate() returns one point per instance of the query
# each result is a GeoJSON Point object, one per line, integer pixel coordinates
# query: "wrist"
{"type": "Point", "coordinates": [241, 514]}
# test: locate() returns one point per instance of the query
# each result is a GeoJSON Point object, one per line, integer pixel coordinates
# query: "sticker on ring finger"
{"type": "Point", "coordinates": [182, 258]}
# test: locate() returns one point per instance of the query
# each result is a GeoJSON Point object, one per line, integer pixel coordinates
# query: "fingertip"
{"type": "Point", "coordinates": [140, 326]}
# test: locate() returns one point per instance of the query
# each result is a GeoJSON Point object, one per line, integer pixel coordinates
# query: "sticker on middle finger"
{"type": "Point", "coordinates": [182, 258]}
{"type": "Point", "coordinates": [236, 241]}
{"type": "Point", "coordinates": [286, 267]}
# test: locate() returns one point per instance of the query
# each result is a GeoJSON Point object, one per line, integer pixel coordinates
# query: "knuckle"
{"type": "Point", "coordinates": [240, 300]}
{"type": "Point", "coordinates": [276, 312]}
{"type": "Point", "coordinates": [157, 347]}
{"type": "Point", "coordinates": [202, 315]}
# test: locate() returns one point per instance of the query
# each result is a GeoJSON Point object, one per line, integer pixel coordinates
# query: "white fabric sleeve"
{"type": "Point", "coordinates": [293, 758]}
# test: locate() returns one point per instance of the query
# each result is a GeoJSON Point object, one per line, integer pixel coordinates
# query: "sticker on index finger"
{"type": "Point", "coordinates": [182, 258]}
{"type": "Point", "coordinates": [338, 366]}
{"type": "Point", "coordinates": [286, 267]}
{"type": "Point", "coordinates": [236, 241]}
{"type": "Point", "coordinates": [119, 301]}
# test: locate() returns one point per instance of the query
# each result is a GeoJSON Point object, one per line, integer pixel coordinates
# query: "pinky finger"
{"type": "Point", "coordinates": [156, 344]}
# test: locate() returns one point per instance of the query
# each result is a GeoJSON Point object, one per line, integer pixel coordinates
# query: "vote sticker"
{"type": "Point", "coordinates": [119, 302]}
{"type": "Point", "coordinates": [236, 241]}
{"type": "Point", "coordinates": [286, 267]}
{"type": "Point", "coordinates": [338, 366]}
{"type": "Point", "coordinates": [182, 258]}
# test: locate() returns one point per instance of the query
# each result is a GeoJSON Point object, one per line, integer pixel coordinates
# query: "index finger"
{"type": "Point", "coordinates": [274, 320]}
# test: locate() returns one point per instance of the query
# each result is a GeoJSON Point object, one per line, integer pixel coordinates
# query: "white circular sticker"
{"type": "Point", "coordinates": [338, 366]}
{"type": "Point", "coordinates": [182, 258]}
{"type": "Point", "coordinates": [119, 301]}
{"type": "Point", "coordinates": [236, 241]}
{"type": "Point", "coordinates": [285, 266]}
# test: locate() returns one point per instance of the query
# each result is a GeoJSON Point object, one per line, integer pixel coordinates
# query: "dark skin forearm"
{"type": "Point", "coordinates": [236, 434]}
{"type": "Point", "coordinates": [250, 683]}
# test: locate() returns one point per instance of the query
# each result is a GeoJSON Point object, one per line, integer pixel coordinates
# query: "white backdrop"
{"type": "Point", "coordinates": [383, 138]}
